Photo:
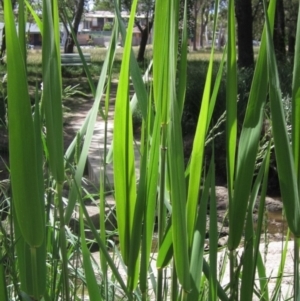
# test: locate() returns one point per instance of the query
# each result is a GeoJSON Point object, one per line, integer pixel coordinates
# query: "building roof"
{"type": "Point", "coordinates": [30, 27]}
{"type": "Point", "coordinates": [109, 14]}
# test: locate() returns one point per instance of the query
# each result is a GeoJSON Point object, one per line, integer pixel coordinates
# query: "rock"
{"type": "Point", "coordinates": [221, 197]}
{"type": "Point", "coordinates": [222, 242]}
{"type": "Point", "coordinates": [272, 205]}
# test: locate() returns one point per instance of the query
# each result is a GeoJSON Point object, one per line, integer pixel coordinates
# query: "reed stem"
{"type": "Point", "coordinates": [161, 207]}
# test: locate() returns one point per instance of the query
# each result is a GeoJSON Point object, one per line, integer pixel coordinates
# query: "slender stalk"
{"type": "Point", "coordinates": [161, 206]}
{"type": "Point", "coordinates": [102, 191]}
{"type": "Point", "coordinates": [62, 240]}
{"type": "Point", "coordinates": [232, 266]}
{"type": "Point", "coordinates": [174, 289]}
{"type": "Point", "coordinates": [34, 273]}
{"type": "Point", "coordinates": [3, 288]}
{"type": "Point", "coordinates": [184, 295]}
{"type": "Point", "coordinates": [296, 269]}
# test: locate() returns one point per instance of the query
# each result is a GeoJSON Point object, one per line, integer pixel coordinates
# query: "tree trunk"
{"type": "Point", "coordinates": [243, 12]}
{"type": "Point", "coordinates": [279, 32]}
{"type": "Point", "coordinates": [144, 38]}
{"type": "Point", "coordinates": [196, 11]}
{"type": "Point", "coordinates": [204, 21]}
{"type": "Point", "coordinates": [69, 45]}
{"type": "Point", "coordinates": [202, 32]}
{"type": "Point", "coordinates": [3, 46]}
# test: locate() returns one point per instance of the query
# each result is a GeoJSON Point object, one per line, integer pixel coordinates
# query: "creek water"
{"type": "Point", "coordinates": [277, 223]}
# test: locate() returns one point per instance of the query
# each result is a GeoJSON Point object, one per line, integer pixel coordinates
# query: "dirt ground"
{"type": "Point", "coordinates": [75, 111]}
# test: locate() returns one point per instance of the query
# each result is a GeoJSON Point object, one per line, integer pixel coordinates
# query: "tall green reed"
{"type": "Point", "coordinates": [166, 187]}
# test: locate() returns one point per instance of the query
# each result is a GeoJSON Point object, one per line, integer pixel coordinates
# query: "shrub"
{"type": "Point", "coordinates": [107, 26]}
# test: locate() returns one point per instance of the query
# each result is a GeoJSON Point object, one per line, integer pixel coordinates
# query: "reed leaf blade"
{"type": "Point", "coordinates": [52, 92]}
{"type": "Point", "coordinates": [22, 144]}
{"type": "Point", "coordinates": [92, 286]}
{"type": "Point", "coordinates": [249, 140]}
{"type": "Point", "coordinates": [123, 156]}
{"type": "Point", "coordinates": [296, 103]}
{"type": "Point", "coordinates": [283, 152]}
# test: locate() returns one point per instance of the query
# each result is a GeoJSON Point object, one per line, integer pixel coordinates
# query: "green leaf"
{"type": "Point", "coordinates": [35, 16]}
{"type": "Point", "coordinates": [248, 144]}
{"type": "Point", "coordinates": [22, 144]}
{"type": "Point", "coordinates": [231, 103]}
{"type": "Point", "coordinates": [249, 255]}
{"type": "Point", "coordinates": [197, 248]}
{"type": "Point", "coordinates": [284, 157]}
{"type": "Point", "coordinates": [91, 282]}
{"type": "Point", "coordinates": [213, 236]}
{"type": "Point", "coordinates": [124, 168]}
{"type": "Point", "coordinates": [295, 103]}
{"type": "Point", "coordinates": [165, 252]}
{"type": "Point", "coordinates": [3, 289]}
{"type": "Point", "coordinates": [176, 163]}
{"type": "Point", "coordinates": [52, 92]}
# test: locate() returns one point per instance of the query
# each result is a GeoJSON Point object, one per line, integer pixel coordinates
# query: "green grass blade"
{"type": "Point", "coordinates": [176, 162]}
{"type": "Point", "coordinates": [296, 102]}
{"type": "Point", "coordinates": [41, 251]}
{"type": "Point", "coordinates": [35, 16]}
{"type": "Point", "coordinates": [263, 280]}
{"type": "Point", "coordinates": [280, 272]}
{"type": "Point", "coordinates": [231, 133]}
{"type": "Point", "coordinates": [3, 289]}
{"type": "Point", "coordinates": [165, 252]}
{"type": "Point", "coordinates": [161, 103]}
{"type": "Point", "coordinates": [197, 155]}
{"type": "Point", "coordinates": [213, 237]}
{"type": "Point", "coordinates": [135, 100]}
{"type": "Point", "coordinates": [91, 282]}
{"type": "Point", "coordinates": [221, 293]}
{"type": "Point", "coordinates": [152, 180]}
{"type": "Point", "coordinates": [160, 63]}
{"type": "Point", "coordinates": [261, 213]}
{"type": "Point", "coordinates": [231, 100]}
{"type": "Point", "coordinates": [57, 35]}
{"type": "Point", "coordinates": [231, 105]}
{"type": "Point", "coordinates": [124, 170]}
{"type": "Point", "coordinates": [22, 28]}
{"type": "Point", "coordinates": [135, 72]}
{"type": "Point", "coordinates": [249, 258]}
{"type": "Point", "coordinates": [33, 282]}
{"type": "Point", "coordinates": [197, 249]}
{"type": "Point", "coordinates": [139, 212]}
{"type": "Point", "coordinates": [22, 143]}
{"type": "Point", "coordinates": [216, 88]}
{"type": "Point", "coordinates": [52, 102]}
{"type": "Point", "coordinates": [248, 143]}
{"type": "Point", "coordinates": [103, 248]}
{"type": "Point", "coordinates": [284, 157]}
{"type": "Point", "coordinates": [52, 93]}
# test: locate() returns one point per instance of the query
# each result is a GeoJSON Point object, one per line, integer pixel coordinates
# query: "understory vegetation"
{"type": "Point", "coordinates": [158, 231]}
